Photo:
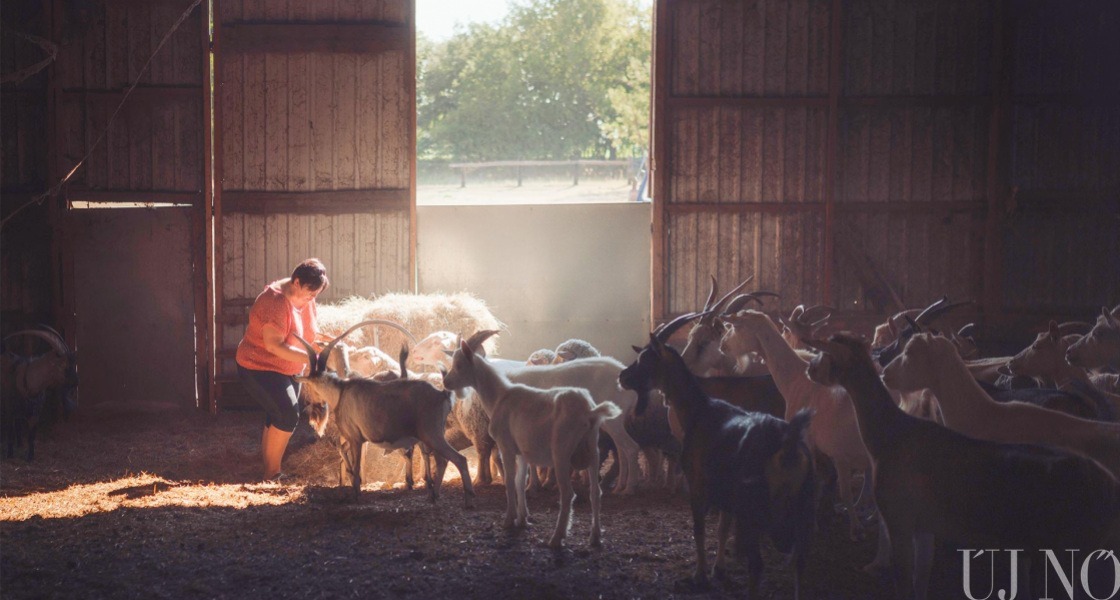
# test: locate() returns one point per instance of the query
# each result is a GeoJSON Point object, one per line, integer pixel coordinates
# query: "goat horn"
{"type": "Point", "coordinates": [737, 304]}
{"type": "Point", "coordinates": [392, 324]}
{"type": "Point", "coordinates": [56, 343]}
{"type": "Point", "coordinates": [967, 330]}
{"type": "Point", "coordinates": [711, 293]}
{"type": "Point", "coordinates": [476, 340]}
{"type": "Point", "coordinates": [713, 311]}
{"type": "Point", "coordinates": [820, 307]}
{"type": "Point", "coordinates": [312, 358]}
{"type": "Point", "coordinates": [938, 309]}
{"type": "Point", "coordinates": [662, 333]}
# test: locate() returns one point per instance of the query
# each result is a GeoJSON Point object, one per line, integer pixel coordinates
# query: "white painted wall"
{"type": "Point", "coordinates": [549, 272]}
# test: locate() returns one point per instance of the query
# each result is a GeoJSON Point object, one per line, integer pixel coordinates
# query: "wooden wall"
{"type": "Point", "coordinates": [26, 294]}
{"type": "Point", "coordinates": [872, 153]}
{"type": "Point", "coordinates": [317, 136]}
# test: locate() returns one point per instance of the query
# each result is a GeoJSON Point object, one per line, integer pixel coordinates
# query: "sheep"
{"type": "Point", "coordinates": [754, 469]}
{"type": "Point", "coordinates": [394, 414]}
{"type": "Point", "coordinates": [544, 356]}
{"type": "Point", "coordinates": [366, 361]}
{"type": "Point", "coordinates": [1100, 348]}
{"type": "Point", "coordinates": [833, 430]}
{"type": "Point", "coordinates": [573, 349]}
{"type": "Point", "coordinates": [930, 361]}
{"type": "Point", "coordinates": [432, 350]}
{"type": "Point", "coordinates": [930, 481]}
{"type": "Point", "coordinates": [25, 383]}
{"type": "Point", "coordinates": [557, 428]}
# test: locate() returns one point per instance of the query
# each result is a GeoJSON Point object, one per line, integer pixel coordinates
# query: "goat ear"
{"type": "Point", "coordinates": [465, 348]}
{"type": "Point", "coordinates": [1055, 334]}
{"type": "Point", "coordinates": [637, 349]}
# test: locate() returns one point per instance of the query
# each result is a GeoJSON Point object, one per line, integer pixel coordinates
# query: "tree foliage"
{"type": "Point", "coordinates": [556, 79]}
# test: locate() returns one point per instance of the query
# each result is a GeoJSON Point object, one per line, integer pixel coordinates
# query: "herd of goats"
{"type": "Point", "coordinates": [1018, 452]}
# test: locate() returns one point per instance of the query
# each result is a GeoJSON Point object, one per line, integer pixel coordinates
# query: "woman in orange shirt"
{"type": "Point", "coordinates": [269, 355]}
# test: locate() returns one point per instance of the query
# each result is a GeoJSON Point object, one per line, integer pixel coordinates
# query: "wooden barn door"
{"type": "Point", "coordinates": [839, 152]}
{"type": "Point", "coordinates": [316, 119]}
{"type": "Point", "coordinates": [134, 228]}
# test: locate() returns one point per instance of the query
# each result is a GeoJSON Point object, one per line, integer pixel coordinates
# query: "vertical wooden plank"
{"type": "Point", "coordinates": [708, 150]}
{"type": "Point", "coordinates": [209, 334]}
{"type": "Point", "coordinates": [834, 87]}
{"type": "Point", "coordinates": [797, 54]}
{"type": "Point", "coordinates": [818, 47]}
{"type": "Point", "coordinates": [116, 28]}
{"type": "Point", "coordinates": [366, 124]}
{"type": "Point", "coordinates": [140, 150]}
{"type": "Point", "coordinates": [345, 140]}
{"type": "Point", "coordinates": [163, 62]}
{"type": "Point", "coordinates": [660, 81]}
{"type": "Point", "coordinates": [276, 108]}
{"type": "Point", "coordinates": [298, 120]}
{"type": "Point", "coordinates": [184, 46]}
{"type": "Point", "coordinates": [278, 261]}
{"type": "Point", "coordinates": [322, 119]}
{"type": "Point", "coordinates": [256, 242]}
{"type": "Point", "coordinates": [793, 169]}
{"type": "Point", "coordinates": [116, 147]}
{"type": "Point", "coordinates": [879, 149]}
{"type": "Point", "coordinates": [686, 55]}
{"type": "Point", "coordinates": [189, 154]}
{"type": "Point", "coordinates": [728, 175]}
{"type": "Point", "coordinates": [97, 166]}
{"type": "Point", "coordinates": [163, 146]}
{"type": "Point", "coordinates": [773, 154]}
{"type": "Point", "coordinates": [709, 48]}
{"type": "Point", "coordinates": [753, 141]}
{"type": "Point", "coordinates": [882, 36]}
{"type": "Point", "coordinates": [754, 48]}
{"type": "Point", "coordinates": [398, 116]}
{"type": "Point", "coordinates": [730, 49]}
{"type": "Point", "coordinates": [94, 57]}
{"type": "Point", "coordinates": [255, 122]}
{"type": "Point", "coordinates": [232, 123]}
{"type": "Point", "coordinates": [777, 30]}
{"type": "Point", "coordinates": [344, 250]}
{"type": "Point", "coordinates": [299, 241]}
{"type": "Point", "coordinates": [997, 159]}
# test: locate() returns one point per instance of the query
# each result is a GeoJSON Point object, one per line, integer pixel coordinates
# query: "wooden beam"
{"type": "Point", "coordinates": [832, 142]}
{"type": "Point", "coordinates": [679, 208]}
{"type": "Point", "coordinates": [410, 80]}
{"type": "Point", "coordinates": [661, 79]}
{"type": "Point", "coordinates": [133, 196]}
{"type": "Point", "coordinates": [893, 207]}
{"type": "Point", "coordinates": [216, 224]}
{"type": "Point", "coordinates": [316, 37]}
{"type": "Point", "coordinates": [747, 101]}
{"type": "Point", "coordinates": [930, 100]}
{"type": "Point", "coordinates": [147, 94]}
{"type": "Point", "coordinates": [206, 312]}
{"type": "Point", "coordinates": [321, 203]}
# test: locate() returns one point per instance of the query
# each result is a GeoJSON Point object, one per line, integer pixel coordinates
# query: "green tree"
{"type": "Point", "coordinates": [556, 79]}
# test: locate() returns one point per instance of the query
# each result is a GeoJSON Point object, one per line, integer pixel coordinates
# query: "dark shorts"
{"type": "Point", "coordinates": [277, 394]}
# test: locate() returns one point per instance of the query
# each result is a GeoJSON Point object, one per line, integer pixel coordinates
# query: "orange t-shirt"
{"type": "Point", "coordinates": [272, 308]}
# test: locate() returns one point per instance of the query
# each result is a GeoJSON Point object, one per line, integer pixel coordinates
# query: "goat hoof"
{"type": "Point", "coordinates": [596, 540]}
{"type": "Point", "coordinates": [556, 543]}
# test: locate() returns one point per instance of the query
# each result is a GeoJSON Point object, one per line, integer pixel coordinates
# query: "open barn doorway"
{"type": "Point", "coordinates": [532, 144]}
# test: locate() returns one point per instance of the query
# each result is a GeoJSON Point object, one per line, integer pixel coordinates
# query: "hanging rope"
{"type": "Point", "coordinates": [54, 189]}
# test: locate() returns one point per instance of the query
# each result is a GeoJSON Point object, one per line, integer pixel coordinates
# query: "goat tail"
{"type": "Point", "coordinates": [605, 411]}
{"type": "Point", "coordinates": [404, 360]}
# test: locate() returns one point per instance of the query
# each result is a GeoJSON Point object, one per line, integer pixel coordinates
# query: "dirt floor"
{"type": "Point", "coordinates": [166, 505]}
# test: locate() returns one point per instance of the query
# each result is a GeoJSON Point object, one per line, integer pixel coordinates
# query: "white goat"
{"type": "Point", "coordinates": [932, 362]}
{"type": "Point", "coordinates": [833, 429]}
{"type": "Point", "coordinates": [1101, 346]}
{"type": "Point", "coordinates": [556, 428]}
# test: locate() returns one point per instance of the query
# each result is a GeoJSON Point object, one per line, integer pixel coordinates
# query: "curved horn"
{"type": "Point", "coordinates": [476, 340]}
{"type": "Point", "coordinates": [741, 300]}
{"type": "Point", "coordinates": [967, 330]}
{"type": "Point", "coordinates": [312, 358]}
{"type": "Point", "coordinates": [937, 309]}
{"type": "Point", "coordinates": [396, 326]}
{"type": "Point", "coordinates": [828, 310]}
{"type": "Point", "coordinates": [57, 344]}
{"type": "Point", "coordinates": [711, 293]}
{"type": "Point", "coordinates": [662, 333]}
{"type": "Point", "coordinates": [718, 309]}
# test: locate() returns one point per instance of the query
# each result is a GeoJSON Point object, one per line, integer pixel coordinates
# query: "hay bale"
{"type": "Point", "coordinates": [421, 314]}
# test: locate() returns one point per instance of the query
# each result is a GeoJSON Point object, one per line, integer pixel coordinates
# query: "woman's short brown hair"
{"type": "Point", "coordinates": [312, 274]}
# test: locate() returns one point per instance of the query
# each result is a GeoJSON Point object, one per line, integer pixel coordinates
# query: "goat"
{"type": "Point", "coordinates": [753, 468]}
{"type": "Point", "coordinates": [395, 414]}
{"type": "Point", "coordinates": [833, 430]}
{"type": "Point", "coordinates": [434, 351]}
{"type": "Point", "coordinates": [1045, 359]}
{"type": "Point", "coordinates": [701, 353]}
{"type": "Point", "coordinates": [1100, 348]}
{"type": "Point", "coordinates": [25, 383]}
{"type": "Point", "coordinates": [800, 326]}
{"type": "Point", "coordinates": [884, 354]}
{"type": "Point", "coordinates": [557, 428]}
{"type": "Point", "coordinates": [932, 362]}
{"type": "Point", "coordinates": [932, 482]}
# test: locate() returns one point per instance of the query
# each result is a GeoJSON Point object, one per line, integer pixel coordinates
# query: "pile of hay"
{"type": "Point", "coordinates": [421, 314]}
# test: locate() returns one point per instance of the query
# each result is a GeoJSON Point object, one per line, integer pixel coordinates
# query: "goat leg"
{"type": "Point", "coordinates": [596, 494]}
{"type": "Point", "coordinates": [563, 474]}
{"type": "Point", "coordinates": [408, 481]}
{"type": "Point", "coordinates": [723, 530]}
{"type": "Point", "coordinates": [351, 452]}
{"type": "Point", "coordinates": [699, 512]}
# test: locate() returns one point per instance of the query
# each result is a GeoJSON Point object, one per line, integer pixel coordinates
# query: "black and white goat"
{"type": "Point", "coordinates": [25, 383]}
